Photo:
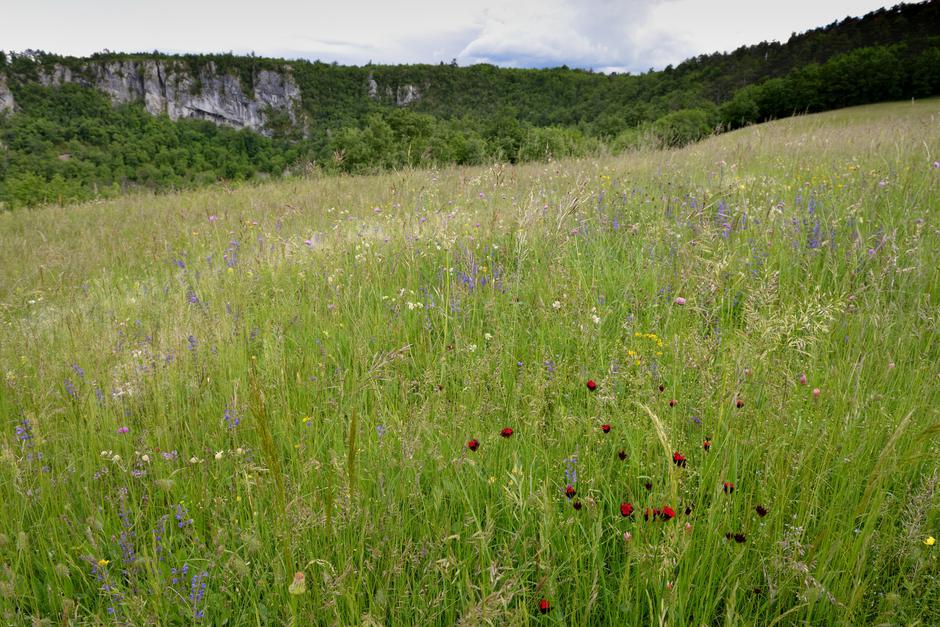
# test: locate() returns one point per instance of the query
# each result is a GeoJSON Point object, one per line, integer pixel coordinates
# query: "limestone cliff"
{"type": "Point", "coordinates": [171, 88]}
{"type": "Point", "coordinates": [6, 96]}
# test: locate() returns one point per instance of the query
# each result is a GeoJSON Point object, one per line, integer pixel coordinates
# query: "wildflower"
{"type": "Point", "coordinates": [544, 606]}
{"type": "Point", "coordinates": [739, 403]}
{"type": "Point", "coordinates": [667, 513]}
{"type": "Point", "coordinates": [595, 319]}
{"type": "Point", "coordinates": [728, 487]}
{"type": "Point", "coordinates": [605, 428]}
{"type": "Point", "coordinates": [570, 491]}
{"type": "Point", "coordinates": [123, 429]}
{"type": "Point", "coordinates": [194, 460]}
{"type": "Point", "coordinates": [591, 385]}
{"type": "Point", "coordinates": [626, 509]}
{"type": "Point", "coordinates": [673, 402]}
{"type": "Point", "coordinates": [669, 585]}
{"type": "Point", "coordinates": [103, 562]}
{"type": "Point", "coordinates": [473, 445]}
{"type": "Point", "coordinates": [648, 485]}
{"type": "Point", "coordinates": [803, 379]}
{"type": "Point", "coordinates": [487, 336]}
{"type": "Point", "coordinates": [707, 444]}
{"type": "Point", "coordinates": [739, 538]}
{"type": "Point", "coordinates": [688, 527]}
{"type": "Point", "coordinates": [678, 459]}
{"type": "Point", "coordinates": [761, 510]}
{"type": "Point", "coordinates": [650, 514]}
{"type": "Point", "coordinates": [218, 455]}
{"type": "Point", "coordinates": [930, 540]}
{"type": "Point", "coordinates": [576, 505]}
{"type": "Point", "coordinates": [145, 458]}
{"type": "Point", "coordinates": [662, 387]}
{"type": "Point", "coordinates": [298, 585]}
{"type": "Point", "coordinates": [556, 305]}
{"type": "Point", "coordinates": [627, 536]}
{"type": "Point", "coordinates": [622, 454]}
{"type": "Point", "coordinates": [936, 165]}
{"type": "Point", "coordinates": [679, 300]}
{"type": "Point", "coordinates": [816, 392]}
{"type": "Point", "coordinates": [506, 432]}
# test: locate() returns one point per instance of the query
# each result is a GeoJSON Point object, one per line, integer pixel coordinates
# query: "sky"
{"type": "Point", "coordinates": [604, 35]}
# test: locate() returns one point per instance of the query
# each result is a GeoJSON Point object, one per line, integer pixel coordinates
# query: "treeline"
{"type": "Point", "coordinates": [70, 143]}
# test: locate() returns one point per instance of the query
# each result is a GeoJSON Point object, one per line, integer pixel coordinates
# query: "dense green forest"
{"type": "Point", "coordinates": [70, 143]}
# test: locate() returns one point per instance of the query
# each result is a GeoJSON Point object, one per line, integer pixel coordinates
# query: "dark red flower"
{"type": "Point", "coordinates": [576, 505]}
{"type": "Point", "coordinates": [667, 513]}
{"type": "Point", "coordinates": [648, 485]}
{"type": "Point", "coordinates": [707, 444]}
{"type": "Point", "coordinates": [662, 387]}
{"type": "Point", "coordinates": [729, 487]}
{"type": "Point", "coordinates": [605, 428]}
{"type": "Point", "coordinates": [740, 538]}
{"type": "Point", "coordinates": [688, 510]}
{"type": "Point", "coordinates": [626, 509]}
{"type": "Point", "coordinates": [622, 454]}
{"type": "Point", "coordinates": [591, 385]}
{"type": "Point", "coordinates": [678, 459]}
{"type": "Point", "coordinates": [473, 445]}
{"type": "Point", "coordinates": [506, 432]}
{"type": "Point", "coordinates": [761, 510]}
{"type": "Point", "coordinates": [544, 606]}
{"type": "Point", "coordinates": [650, 513]}
{"type": "Point", "coordinates": [739, 403]}
{"type": "Point", "coordinates": [570, 491]}
{"type": "Point", "coordinates": [673, 402]}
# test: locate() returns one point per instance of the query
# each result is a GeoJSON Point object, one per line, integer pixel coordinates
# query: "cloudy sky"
{"type": "Point", "coordinates": [605, 35]}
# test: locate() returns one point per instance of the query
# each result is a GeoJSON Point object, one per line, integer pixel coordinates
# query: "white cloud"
{"type": "Point", "coordinates": [600, 34]}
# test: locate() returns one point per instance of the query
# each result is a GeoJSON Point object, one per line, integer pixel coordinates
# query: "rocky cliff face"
{"type": "Point", "coordinates": [6, 96]}
{"type": "Point", "coordinates": [170, 88]}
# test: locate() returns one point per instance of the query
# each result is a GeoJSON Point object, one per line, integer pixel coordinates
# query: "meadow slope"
{"type": "Point", "coordinates": [203, 394]}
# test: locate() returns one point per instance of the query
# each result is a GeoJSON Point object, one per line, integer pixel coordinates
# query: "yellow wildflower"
{"type": "Point", "coordinates": [930, 541]}
{"type": "Point", "coordinates": [103, 562]}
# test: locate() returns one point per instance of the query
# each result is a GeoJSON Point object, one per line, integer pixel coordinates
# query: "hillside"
{"type": "Point", "coordinates": [691, 386]}
{"type": "Point", "coordinates": [61, 140]}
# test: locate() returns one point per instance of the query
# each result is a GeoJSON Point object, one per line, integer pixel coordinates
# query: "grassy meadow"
{"type": "Point", "coordinates": [286, 403]}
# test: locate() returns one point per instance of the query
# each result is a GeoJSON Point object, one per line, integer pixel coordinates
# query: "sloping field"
{"type": "Point", "coordinates": [720, 368]}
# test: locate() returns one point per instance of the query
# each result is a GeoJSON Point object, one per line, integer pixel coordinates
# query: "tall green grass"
{"type": "Point", "coordinates": [256, 381]}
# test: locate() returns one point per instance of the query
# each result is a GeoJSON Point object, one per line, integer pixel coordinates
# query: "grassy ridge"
{"type": "Point", "coordinates": [283, 378]}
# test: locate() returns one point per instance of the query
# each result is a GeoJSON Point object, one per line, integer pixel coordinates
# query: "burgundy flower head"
{"type": "Point", "coordinates": [605, 428]}
{"type": "Point", "coordinates": [576, 505]}
{"type": "Point", "coordinates": [739, 403]}
{"type": "Point", "coordinates": [591, 385]}
{"type": "Point", "coordinates": [544, 606]}
{"type": "Point", "coordinates": [678, 459]}
{"type": "Point", "coordinates": [707, 444]}
{"type": "Point", "coordinates": [626, 509]}
{"type": "Point", "coordinates": [473, 444]}
{"type": "Point", "coordinates": [761, 510]}
{"type": "Point", "coordinates": [622, 454]}
{"type": "Point", "coordinates": [667, 513]}
{"type": "Point", "coordinates": [728, 487]}
{"type": "Point", "coordinates": [673, 402]}
{"type": "Point", "coordinates": [570, 491]}
{"type": "Point", "coordinates": [506, 432]}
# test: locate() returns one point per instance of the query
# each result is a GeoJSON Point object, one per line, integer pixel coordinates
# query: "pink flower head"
{"type": "Point", "coordinates": [213, 218]}
{"type": "Point", "coordinates": [816, 392]}
{"type": "Point", "coordinates": [803, 379]}
{"type": "Point", "coordinates": [123, 429]}
{"type": "Point", "coordinates": [679, 300]}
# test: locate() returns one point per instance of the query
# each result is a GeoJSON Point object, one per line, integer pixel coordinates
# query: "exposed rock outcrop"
{"type": "Point", "coordinates": [6, 96]}
{"type": "Point", "coordinates": [170, 88]}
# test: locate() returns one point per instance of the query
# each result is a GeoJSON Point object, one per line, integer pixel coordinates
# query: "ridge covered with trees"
{"type": "Point", "coordinates": [70, 143]}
